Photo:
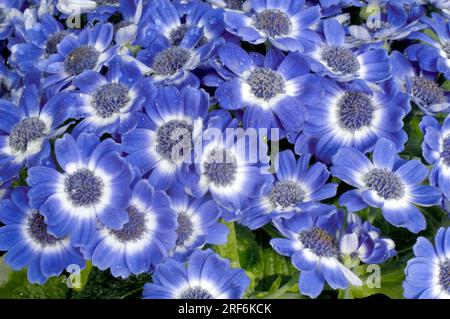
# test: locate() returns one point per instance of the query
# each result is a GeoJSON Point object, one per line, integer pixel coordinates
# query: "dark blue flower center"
{"type": "Point", "coordinates": [109, 98]}
{"type": "Point", "coordinates": [445, 154]}
{"type": "Point", "coordinates": [319, 241]}
{"type": "Point", "coordinates": [273, 22]}
{"type": "Point", "coordinates": [81, 59]}
{"type": "Point", "coordinates": [134, 229]}
{"type": "Point", "coordinates": [340, 60]}
{"type": "Point", "coordinates": [170, 60]}
{"type": "Point", "coordinates": [26, 131]}
{"type": "Point", "coordinates": [220, 167]}
{"type": "Point", "coordinates": [355, 111]}
{"type": "Point", "coordinates": [53, 40]}
{"type": "Point", "coordinates": [185, 228]}
{"type": "Point", "coordinates": [286, 193]}
{"type": "Point", "coordinates": [444, 276]}
{"type": "Point", "coordinates": [37, 229]}
{"type": "Point", "coordinates": [386, 183]}
{"type": "Point", "coordinates": [195, 293]}
{"type": "Point", "coordinates": [83, 188]}
{"type": "Point", "coordinates": [427, 91]}
{"type": "Point", "coordinates": [174, 140]}
{"type": "Point", "coordinates": [266, 83]}
{"type": "Point", "coordinates": [234, 4]}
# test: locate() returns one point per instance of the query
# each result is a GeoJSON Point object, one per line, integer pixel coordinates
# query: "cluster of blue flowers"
{"type": "Point", "coordinates": [105, 106]}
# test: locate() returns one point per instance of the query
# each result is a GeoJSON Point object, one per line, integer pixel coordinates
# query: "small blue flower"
{"type": "Point", "coordinates": [387, 183]}
{"type": "Point", "coordinates": [198, 222]}
{"type": "Point", "coordinates": [285, 24]}
{"type": "Point", "coordinates": [163, 141]}
{"type": "Point", "coordinates": [428, 273]}
{"type": "Point", "coordinates": [28, 242]}
{"type": "Point", "coordinates": [297, 187]}
{"type": "Point", "coordinates": [312, 242]}
{"type": "Point", "coordinates": [143, 242]}
{"type": "Point", "coordinates": [205, 276]}
{"type": "Point", "coordinates": [94, 183]}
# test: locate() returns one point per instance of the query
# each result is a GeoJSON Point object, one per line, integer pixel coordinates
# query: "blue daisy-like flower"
{"type": "Point", "coordinates": [198, 222]}
{"type": "Point", "coordinates": [162, 142]}
{"type": "Point", "coordinates": [353, 117]}
{"type": "Point", "coordinates": [25, 130]}
{"type": "Point", "coordinates": [93, 183]}
{"type": "Point", "coordinates": [143, 242]}
{"type": "Point", "coordinates": [28, 243]}
{"type": "Point", "coordinates": [428, 273]}
{"type": "Point", "coordinates": [285, 24]}
{"type": "Point", "coordinates": [273, 90]}
{"type": "Point", "coordinates": [90, 50]}
{"type": "Point", "coordinates": [205, 276]}
{"type": "Point", "coordinates": [386, 182]}
{"type": "Point", "coordinates": [312, 242]}
{"type": "Point", "coordinates": [297, 187]}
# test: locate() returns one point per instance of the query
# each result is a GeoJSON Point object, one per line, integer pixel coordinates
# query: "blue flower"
{"type": "Point", "coordinates": [25, 130]}
{"type": "Point", "coordinates": [285, 24]}
{"type": "Point", "coordinates": [205, 276]}
{"type": "Point", "coordinates": [90, 50]}
{"type": "Point", "coordinates": [143, 242]}
{"type": "Point", "coordinates": [428, 273]}
{"type": "Point", "coordinates": [109, 104]}
{"type": "Point", "coordinates": [387, 183]}
{"type": "Point", "coordinates": [94, 183]}
{"type": "Point", "coordinates": [297, 187]}
{"type": "Point", "coordinates": [339, 60]}
{"type": "Point", "coordinates": [353, 117]}
{"type": "Point", "coordinates": [421, 86]}
{"type": "Point", "coordinates": [28, 242]}
{"type": "Point", "coordinates": [312, 242]}
{"type": "Point", "coordinates": [198, 222]}
{"type": "Point", "coordinates": [163, 141]}
{"type": "Point", "coordinates": [272, 89]}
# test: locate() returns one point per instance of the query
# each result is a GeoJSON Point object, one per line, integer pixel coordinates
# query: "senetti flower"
{"type": "Point", "coordinates": [94, 183]}
{"type": "Point", "coordinates": [90, 50]}
{"type": "Point", "coordinates": [205, 276]}
{"type": "Point", "coordinates": [297, 187]}
{"type": "Point", "coordinates": [428, 273]}
{"type": "Point", "coordinates": [286, 24]}
{"type": "Point", "coordinates": [312, 242]}
{"type": "Point", "coordinates": [386, 183]}
{"type": "Point", "coordinates": [273, 90]}
{"type": "Point", "coordinates": [29, 244]}
{"type": "Point", "coordinates": [143, 242]}
{"type": "Point", "coordinates": [25, 130]}
{"type": "Point", "coordinates": [163, 142]}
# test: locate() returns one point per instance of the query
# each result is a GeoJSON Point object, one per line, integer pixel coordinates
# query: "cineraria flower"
{"type": "Point", "coordinates": [109, 103]}
{"type": "Point", "coordinates": [272, 90]}
{"type": "Point", "coordinates": [25, 130]}
{"type": "Point", "coordinates": [143, 242]}
{"type": "Point", "coordinates": [205, 276]}
{"type": "Point", "coordinates": [362, 240]}
{"type": "Point", "coordinates": [285, 24]}
{"type": "Point", "coordinates": [238, 5]}
{"type": "Point", "coordinates": [28, 242]}
{"type": "Point", "coordinates": [296, 188]}
{"type": "Point", "coordinates": [350, 117]}
{"type": "Point", "coordinates": [226, 167]}
{"type": "Point", "coordinates": [198, 222]}
{"type": "Point", "coordinates": [428, 273]}
{"type": "Point", "coordinates": [164, 140]}
{"type": "Point", "coordinates": [90, 50]}
{"type": "Point", "coordinates": [339, 60]}
{"type": "Point", "coordinates": [313, 244]}
{"type": "Point", "coordinates": [420, 85]}
{"type": "Point", "coordinates": [94, 183]}
{"type": "Point", "coordinates": [386, 183]}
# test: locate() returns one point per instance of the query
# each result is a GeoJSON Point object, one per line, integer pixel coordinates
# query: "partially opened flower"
{"type": "Point", "coordinates": [205, 276]}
